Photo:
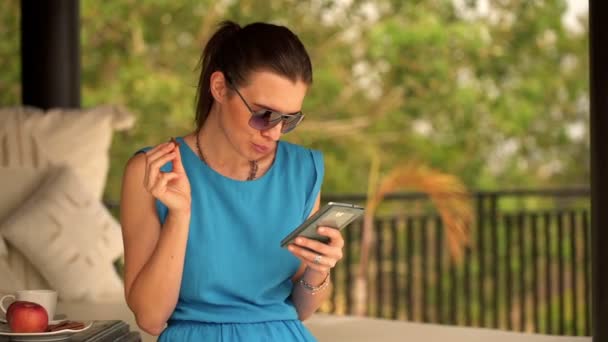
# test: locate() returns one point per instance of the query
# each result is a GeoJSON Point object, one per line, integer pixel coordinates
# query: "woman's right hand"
{"type": "Point", "coordinates": [171, 188]}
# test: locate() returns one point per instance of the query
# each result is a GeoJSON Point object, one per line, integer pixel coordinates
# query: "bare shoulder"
{"type": "Point", "coordinates": [135, 165]}
{"type": "Point", "coordinates": [136, 203]}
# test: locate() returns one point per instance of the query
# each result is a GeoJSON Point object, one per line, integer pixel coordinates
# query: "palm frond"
{"type": "Point", "coordinates": [447, 193]}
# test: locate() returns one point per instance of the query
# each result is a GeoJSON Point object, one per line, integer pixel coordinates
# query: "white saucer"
{"type": "Point", "coordinates": [59, 335]}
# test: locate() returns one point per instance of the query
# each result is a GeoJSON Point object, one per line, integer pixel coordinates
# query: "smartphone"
{"type": "Point", "coordinates": [333, 214]}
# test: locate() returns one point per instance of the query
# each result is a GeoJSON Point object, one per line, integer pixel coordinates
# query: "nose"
{"type": "Point", "coordinates": [273, 133]}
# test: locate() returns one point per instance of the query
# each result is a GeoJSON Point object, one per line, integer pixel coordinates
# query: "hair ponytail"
{"type": "Point", "coordinates": [209, 63]}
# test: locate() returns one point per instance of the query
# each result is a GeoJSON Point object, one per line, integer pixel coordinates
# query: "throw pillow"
{"type": "Point", "coordinates": [18, 273]}
{"type": "Point", "coordinates": [80, 138]}
{"type": "Point", "coordinates": [17, 184]}
{"type": "Point", "coordinates": [70, 237]}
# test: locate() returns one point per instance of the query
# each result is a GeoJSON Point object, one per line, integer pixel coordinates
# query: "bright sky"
{"type": "Point", "coordinates": [575, 8]}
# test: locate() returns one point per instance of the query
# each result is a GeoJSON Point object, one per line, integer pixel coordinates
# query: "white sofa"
{"type": "Point", "coordinates": [344, 328]}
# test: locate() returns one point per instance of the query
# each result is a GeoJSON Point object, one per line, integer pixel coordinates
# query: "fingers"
{"type": "Point", "coordinates": [155, 159]}
{"type": "Point", "coordinates": [322, 264]}
{"type": "Point", "coordinates": [159, 187]}
{"type": "Point", "coordinates": [319, 248]}
{"type": "Point", "coordinates": [153, 168]}
{"type": "Point", "coordinates": [159, 151]}
{"type": "Point", "coordinates": [162, 149]}
{"type": "Point", "coordinates": [177, 163]}
{"type": "Point", "coordinates": [317, 255]}
{"type": "Point", "coordinates": [157, 148]}
{"type": "Point", "coordinates": [334, 235]}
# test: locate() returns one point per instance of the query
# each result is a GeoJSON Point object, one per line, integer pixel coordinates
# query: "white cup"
{"type": "Point", "coordinates": [46, 298]}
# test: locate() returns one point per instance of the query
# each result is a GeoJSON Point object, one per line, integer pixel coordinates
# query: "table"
{"type": "Point", "coordinates": [118, 311]}
{"type": "Point", "coordinates": [96, 331]}
{"type": "Point", "coordinates": [107, 331]}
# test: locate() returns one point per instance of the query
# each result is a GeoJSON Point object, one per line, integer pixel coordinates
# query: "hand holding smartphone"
{"type": "Point", "coordinates": [333, 214]}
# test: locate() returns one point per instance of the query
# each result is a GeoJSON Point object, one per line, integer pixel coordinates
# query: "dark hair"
{"type": "Point", "coordinates": [238, 51]}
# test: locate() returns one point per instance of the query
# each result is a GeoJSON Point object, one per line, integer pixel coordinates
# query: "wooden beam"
{"type": "Point", "coordinates": [598, 57]}
{"type": "Point", "coordinates": [50, 53]}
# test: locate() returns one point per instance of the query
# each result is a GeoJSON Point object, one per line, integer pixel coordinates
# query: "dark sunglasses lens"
{"type": "Point", "coordinates": [264, 120]}
{"type": "Point", "coordinates": [267, 119]}
{"type": "Point", "coordinates": [291, 123]}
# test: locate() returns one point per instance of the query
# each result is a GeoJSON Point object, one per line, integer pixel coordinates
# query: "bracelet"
{"type": "Point", "coordinates": [314, 289]}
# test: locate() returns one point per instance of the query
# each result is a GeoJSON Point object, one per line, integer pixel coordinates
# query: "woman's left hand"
{"type": "Point", "coordinates": [317, 255]}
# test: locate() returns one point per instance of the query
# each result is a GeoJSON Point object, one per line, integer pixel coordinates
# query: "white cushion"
{"type": "Point", "coordinates": [70, 237]}
{"type": "Point", "coordinates": [8, 281]}
{"type": "Point", "coordinates": [17, 184]}
{"type": "Point", "coordinates": [18, 273]}
{"type": "Point", "coordinates": [80, 138]}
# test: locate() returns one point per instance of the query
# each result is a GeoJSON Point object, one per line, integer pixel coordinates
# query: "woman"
{"type": "Point", "coordinates": [203, 216]}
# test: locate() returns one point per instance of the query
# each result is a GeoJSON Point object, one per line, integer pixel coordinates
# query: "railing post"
{"type": "Point", "coordinates": [535, 271]}
{"type": "Point", "coordinates": [480, 229]}
{"type": "Point", "coordinates": [380, 286]}
{"type": "Point", "coordinates": [439, 247]}
{"type": "Point", "coordinates": [493, 213]}
{"type": "Point", "coordinates": [396, 300]}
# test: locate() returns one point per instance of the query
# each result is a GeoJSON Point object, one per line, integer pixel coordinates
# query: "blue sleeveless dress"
{"type": "Point", "coordinates": [236, 283]}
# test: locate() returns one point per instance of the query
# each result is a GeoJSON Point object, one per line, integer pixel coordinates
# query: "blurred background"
{"type": "Point", "coordinates": [495, 92]}
{"type": "Point", "coordinates": [484, 99]}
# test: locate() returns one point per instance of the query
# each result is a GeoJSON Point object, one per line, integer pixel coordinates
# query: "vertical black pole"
{"type": "Point", "coordinates": [50, 53]}
{"type": "Point", "coordinates": [481, 257]}
{"type": "Point", "coordinates": [396, 263]}
{"type": "Point", "coordinates": [380, 291]}
{"type": "Point", "coordinates": [586, 269]}
{"type": "Point", "coordinates": [598, 53]}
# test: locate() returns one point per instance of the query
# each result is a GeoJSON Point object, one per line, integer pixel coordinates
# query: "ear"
{"type": "Point", "coordinates": [218, 86]}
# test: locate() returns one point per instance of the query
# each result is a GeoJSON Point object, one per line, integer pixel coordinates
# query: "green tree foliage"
{"type": "Point", "coordinates": [10, 64]}
{"type": "Point", "coordinates": [498, 99]}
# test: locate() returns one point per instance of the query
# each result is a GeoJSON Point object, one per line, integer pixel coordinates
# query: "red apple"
{"type": "Point", "coordinates": [27, 317]}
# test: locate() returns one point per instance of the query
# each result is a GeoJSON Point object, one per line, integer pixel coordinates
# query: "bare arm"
{"type": "Point", "coordinates": [154, 255]}
{"type": "Point", "coordinates": [305, 301]}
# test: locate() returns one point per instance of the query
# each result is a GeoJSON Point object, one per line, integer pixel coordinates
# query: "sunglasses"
{"type": "Point", "coordinates": [265, 119]}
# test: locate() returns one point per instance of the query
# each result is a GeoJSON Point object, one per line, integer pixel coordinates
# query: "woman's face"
{"type": "Point", "coordinates": [265, 90]}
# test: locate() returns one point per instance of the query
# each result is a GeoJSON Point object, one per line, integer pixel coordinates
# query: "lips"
{"type": "Point", "coordinates": [261, 148]}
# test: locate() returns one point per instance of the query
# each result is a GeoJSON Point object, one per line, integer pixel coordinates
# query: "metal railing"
{"type": "Point", "coordinates": [526, 267]}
